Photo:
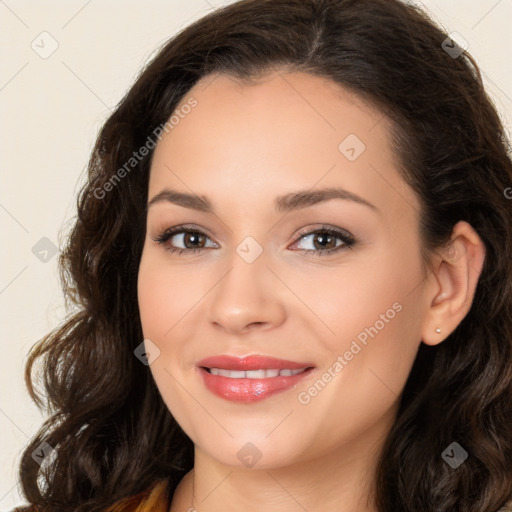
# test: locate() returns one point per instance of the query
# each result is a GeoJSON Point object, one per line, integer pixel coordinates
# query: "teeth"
{"type": "Point", "coordinates": [254, 374]}
{"type": "Point", "coordinates": [232, 374]}
{"type": "Point", "coordinates": [257, 374]}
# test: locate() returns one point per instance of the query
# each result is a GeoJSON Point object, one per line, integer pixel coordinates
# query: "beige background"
{"type": "Point", "coordinates": [51, 110]}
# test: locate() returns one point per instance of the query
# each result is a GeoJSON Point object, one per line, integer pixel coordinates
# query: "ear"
{"type": "Point", "coordinates": [452, 284]}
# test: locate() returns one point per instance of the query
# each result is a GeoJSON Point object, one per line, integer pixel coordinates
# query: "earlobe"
{"type": "Point", "coordinates": [453, 283]}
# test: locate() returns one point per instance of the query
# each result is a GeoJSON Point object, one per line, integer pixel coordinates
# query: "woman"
{"type": "Point", "coordinates": [213, 359]}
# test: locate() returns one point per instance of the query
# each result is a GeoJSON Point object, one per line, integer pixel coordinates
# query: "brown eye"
{"type": "Point", "coordinates": [325, 241]}
{"type": "Point", "coordinates": [195, 239]}
{"type": "Point", "coordinates": [184, 240]}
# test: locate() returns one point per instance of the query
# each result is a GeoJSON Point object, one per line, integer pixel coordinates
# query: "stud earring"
{"type": "Point", "coordinates": [438, 330]}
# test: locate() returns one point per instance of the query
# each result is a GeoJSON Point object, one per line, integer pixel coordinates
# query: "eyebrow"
{"type": "Point", "coordinates": [292, 201]}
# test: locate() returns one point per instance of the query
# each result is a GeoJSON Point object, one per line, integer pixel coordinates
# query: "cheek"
{"type": "Point", "coordinates": [165, 295]}
{"type": "Point", "coordinates": [375, 292]}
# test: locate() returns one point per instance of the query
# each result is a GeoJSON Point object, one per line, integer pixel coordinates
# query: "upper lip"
{"type": "Point", "coordinates": [252, 362]}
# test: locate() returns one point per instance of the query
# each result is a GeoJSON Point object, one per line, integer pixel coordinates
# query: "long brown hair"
{"type": "Point", "coordinates": [112, 434]}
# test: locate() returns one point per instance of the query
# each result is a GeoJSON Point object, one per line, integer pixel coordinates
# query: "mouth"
{"type": "Point", "coordinates": [252, 378]}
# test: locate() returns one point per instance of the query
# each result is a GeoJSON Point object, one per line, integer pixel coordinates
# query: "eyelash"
{"type": "Point", "coordinates": [347, 239]}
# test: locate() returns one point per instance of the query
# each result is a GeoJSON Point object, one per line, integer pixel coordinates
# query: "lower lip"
{"type": "Point", "coordinates": [249, 390]}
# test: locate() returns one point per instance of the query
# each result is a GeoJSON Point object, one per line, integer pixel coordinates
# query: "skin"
{"type": "Point", "coordinates": [242, 146]}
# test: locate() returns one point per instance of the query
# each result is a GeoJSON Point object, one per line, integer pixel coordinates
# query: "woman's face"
{"type": "Point", "coordinates": [277, 164]}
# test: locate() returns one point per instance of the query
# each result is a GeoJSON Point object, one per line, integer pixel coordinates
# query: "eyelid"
{"type": "Point", "coordinates": [187, 228]}
{"type": "Point", "coordinates": [166, 234]}
{"type": "Point", "coordinates": [326, 228]}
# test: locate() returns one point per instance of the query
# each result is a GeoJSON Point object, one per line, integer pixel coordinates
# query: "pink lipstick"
{"type": "Point", "coordinates": [252, 378]}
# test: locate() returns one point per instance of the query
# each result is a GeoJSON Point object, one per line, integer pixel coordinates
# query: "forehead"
{"type": "Point", "coordinates": [282, 132]}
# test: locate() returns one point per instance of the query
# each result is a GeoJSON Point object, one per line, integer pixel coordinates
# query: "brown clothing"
{"type": "Point", "coordinates": [155, 500]}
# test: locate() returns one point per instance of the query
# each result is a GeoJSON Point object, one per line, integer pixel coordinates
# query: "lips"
{"type": "Point", "coordinates": [251, 378]}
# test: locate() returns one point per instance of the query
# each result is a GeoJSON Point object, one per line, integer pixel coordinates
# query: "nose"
{"type": "Point", "coordinates": [248, 298]}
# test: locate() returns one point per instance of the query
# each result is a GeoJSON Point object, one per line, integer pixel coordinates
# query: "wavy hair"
{"type": "Point", "coordinates": [112, 435]}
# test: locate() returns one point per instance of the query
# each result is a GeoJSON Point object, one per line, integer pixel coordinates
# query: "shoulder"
{"type": "Point", "coordinates": [154, 499]}
{"type": "Point", "coordinates": [507, 507]}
